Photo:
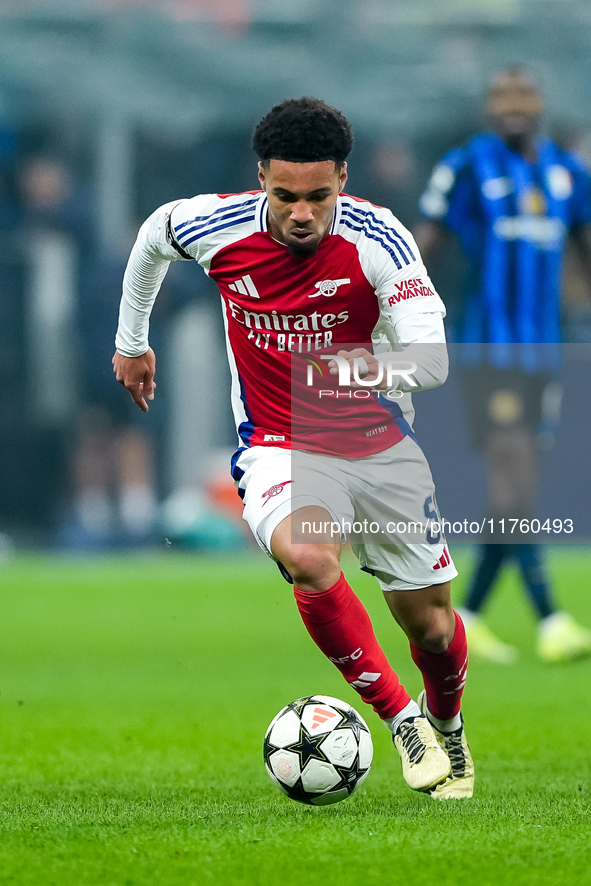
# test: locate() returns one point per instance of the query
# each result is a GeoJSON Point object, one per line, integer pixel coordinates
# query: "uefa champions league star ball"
{"type": "Point", "coordinates": [318, 750]}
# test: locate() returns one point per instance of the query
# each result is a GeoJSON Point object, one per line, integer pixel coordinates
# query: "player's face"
{"type": "Point", "coordinates": [514, 105]}
{"type": "Point", "coordinates": [302, 199]}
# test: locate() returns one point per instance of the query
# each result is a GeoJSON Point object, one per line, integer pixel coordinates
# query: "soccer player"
{"type": "Point", "coordinates": [511, 197]}
{"type": "Point", "coordinates": [303, 268]}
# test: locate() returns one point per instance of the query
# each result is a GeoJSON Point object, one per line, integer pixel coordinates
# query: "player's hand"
{"type": "Point", "coordinates": [369, 372]}
{"type": "Point", "coordinates": [136, 374]}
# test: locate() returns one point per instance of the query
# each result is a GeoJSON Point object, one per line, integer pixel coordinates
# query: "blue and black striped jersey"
{"type": "Point", "coordinates": [512, 216]}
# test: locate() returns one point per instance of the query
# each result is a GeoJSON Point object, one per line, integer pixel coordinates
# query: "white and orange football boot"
{"type": "Point", "coordinates": [459, 785]}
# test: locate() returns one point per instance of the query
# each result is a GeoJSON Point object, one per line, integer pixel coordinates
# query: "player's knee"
{"type": "Point", "coordinates": [312, 567]}
{"type": "Point", "coordinates": [433, 632]}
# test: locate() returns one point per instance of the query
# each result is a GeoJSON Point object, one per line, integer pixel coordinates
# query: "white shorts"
{"type": "Point", "coordinates": [374, 500]}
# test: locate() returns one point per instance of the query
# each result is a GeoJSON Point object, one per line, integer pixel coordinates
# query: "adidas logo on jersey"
{"type": "Point", "coordinates": [245, 286]}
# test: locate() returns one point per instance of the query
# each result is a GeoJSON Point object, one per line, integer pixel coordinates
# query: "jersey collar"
{"type": "Point", "coordinates": [261, 212]}
{"type": "Point", "coordinates": [337, 215]}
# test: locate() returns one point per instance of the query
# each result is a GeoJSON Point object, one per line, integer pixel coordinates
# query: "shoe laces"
{"type": "Point", "coordinates": [413, 739]}
{"type": "Point", "coordinates": [455, 751]}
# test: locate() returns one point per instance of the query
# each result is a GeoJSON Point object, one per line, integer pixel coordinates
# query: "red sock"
{"type": "Point", "coordinates": [444, 674]}
{"type": "Point", "coordinates": [340, 626]}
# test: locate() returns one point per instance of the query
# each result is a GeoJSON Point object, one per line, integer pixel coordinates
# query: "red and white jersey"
{"type": "Point", "coordinates": [365, 279]}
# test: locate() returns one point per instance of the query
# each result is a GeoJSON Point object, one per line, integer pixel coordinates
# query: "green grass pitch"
{"type": "Point", "coordinates": [135, 693]}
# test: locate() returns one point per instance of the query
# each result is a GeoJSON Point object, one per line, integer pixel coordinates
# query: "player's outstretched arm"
{"type": "Point", "coordinates": [136, 374]}
{"type": "Point", "coordinates": [134, 361]}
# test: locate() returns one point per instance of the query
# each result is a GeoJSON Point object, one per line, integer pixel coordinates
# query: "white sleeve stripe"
{"type": "Point", "coordinates": [380, 240]}
{"type": "Point", "coordinates": [222, 209]}
{"type": "Point", "coordinates": [228, 224]}
{"type": "Point", "coordinates": [380, 226]}
{"type": "Point", "coordinates": [359, 210]}
{"type": "Point", "coordinates": [242, 214]}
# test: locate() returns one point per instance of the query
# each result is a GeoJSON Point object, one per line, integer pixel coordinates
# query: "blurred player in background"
{"type": "Point", "coordinates": [512, 198]}
{"type": "Point", "coordinates": [303, 267]}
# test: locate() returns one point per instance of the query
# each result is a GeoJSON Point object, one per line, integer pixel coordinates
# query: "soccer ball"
{"type": "Point", "coordinates": [318, 750]}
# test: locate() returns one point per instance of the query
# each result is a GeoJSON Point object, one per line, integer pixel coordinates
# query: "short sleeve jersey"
{"type": "Point", "coordinates": [366, 275]}
{"type": "Point", "coordinates": [512, 216]}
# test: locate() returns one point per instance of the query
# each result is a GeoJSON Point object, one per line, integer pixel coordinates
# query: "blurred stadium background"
{"type": "Point", "coordinates": [109, 108]}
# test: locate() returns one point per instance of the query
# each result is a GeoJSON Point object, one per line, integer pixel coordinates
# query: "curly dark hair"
{"type": "Point", "coordinates": [303, 130]}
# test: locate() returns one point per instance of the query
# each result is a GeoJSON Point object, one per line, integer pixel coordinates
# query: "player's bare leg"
{"type": "Point", "coordinates": [426, 616]}
{"type": "Point", "coordinates": [439, 649]}
{"type": "Point", "coordinates": [340, 626]}
{"type": "Point", "coordinates": [314, 566]}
